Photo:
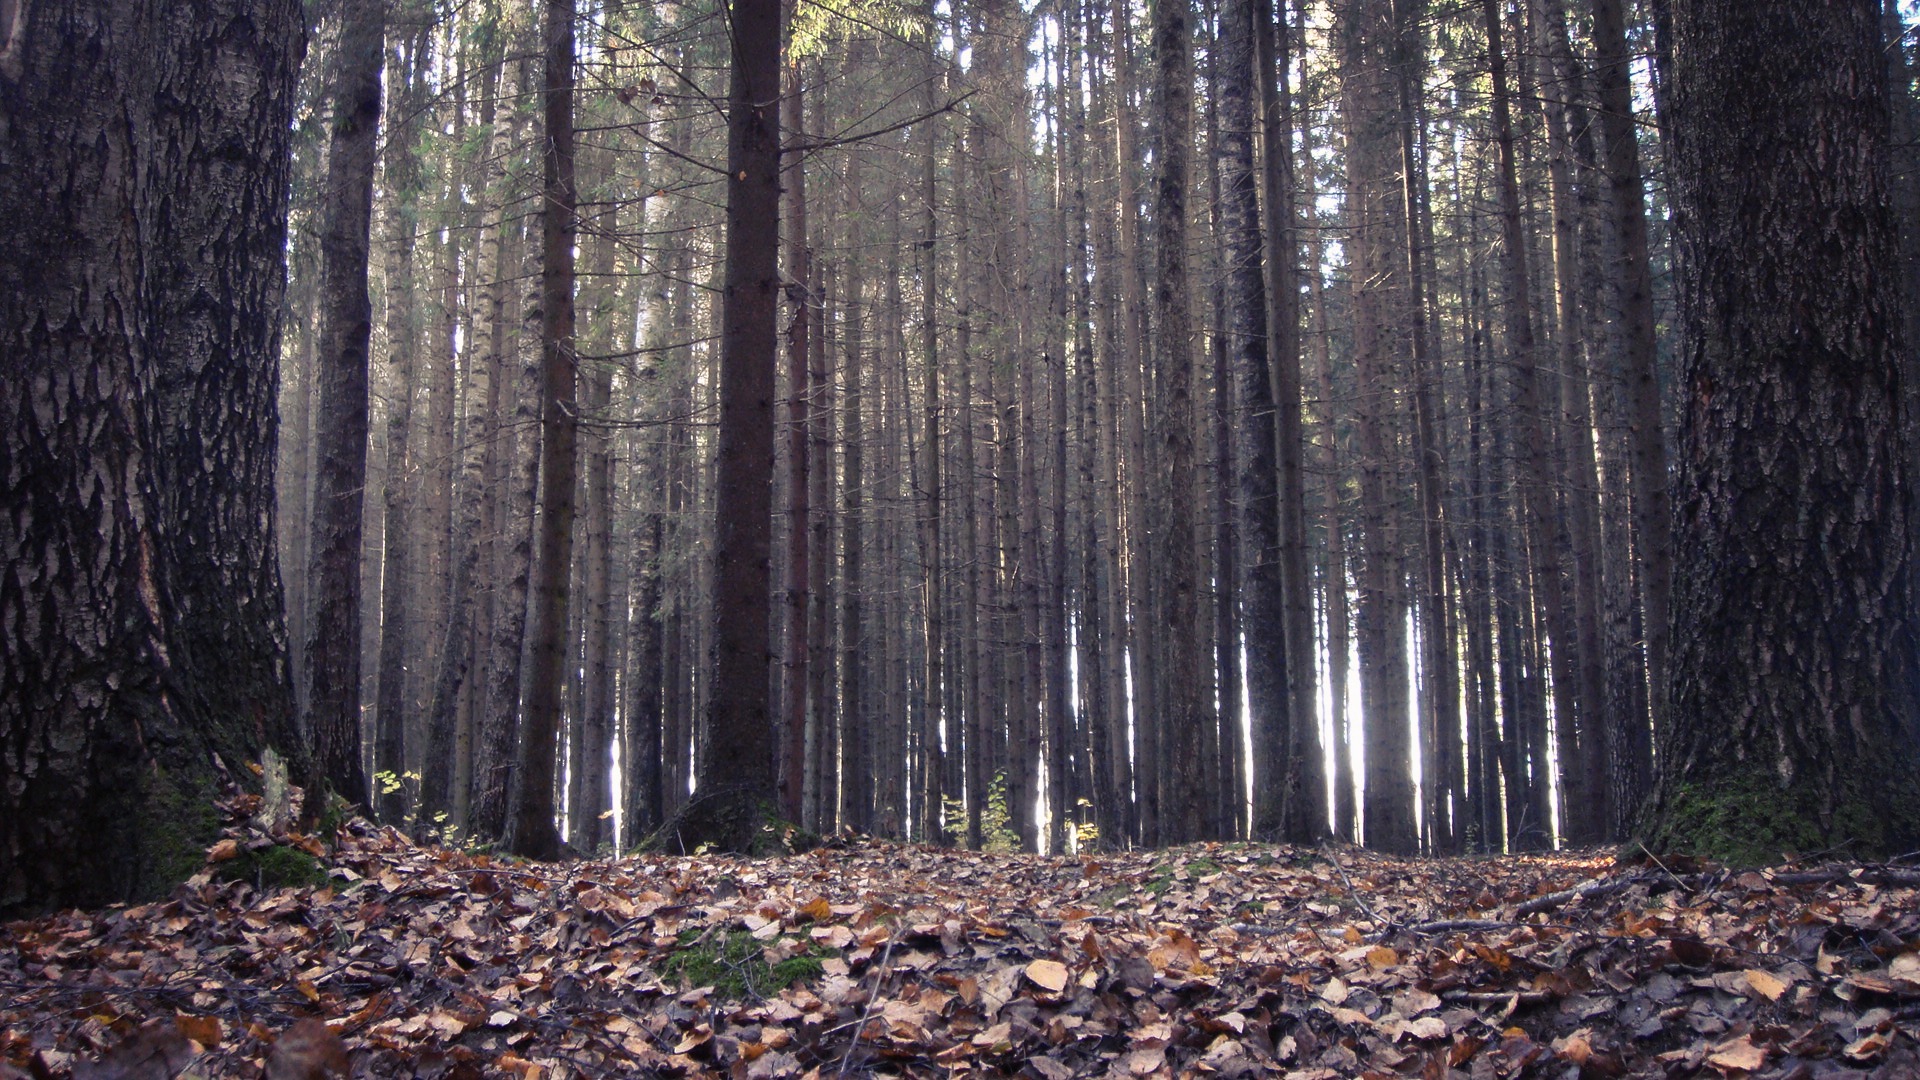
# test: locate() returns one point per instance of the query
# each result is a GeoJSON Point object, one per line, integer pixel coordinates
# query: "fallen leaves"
{"type": "Point", "coordinates": [1229, 960]}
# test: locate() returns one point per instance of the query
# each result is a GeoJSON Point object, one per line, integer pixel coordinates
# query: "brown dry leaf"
{"type": "Point", "coordinates": [1766, 984]}
{"type": "Point", "coordinates": [1050, 975]}
{"type": "Point", "coordinates": [1737, 1055]}
{"type": "Point", "coordinates": [157, 1051]}
{"type": "Point", "coordinates": [1869, 1047]}
{"type": "Point", "coordinates": [309, 1050]}
{"type": "Point", "coordinates": [1905, 970]}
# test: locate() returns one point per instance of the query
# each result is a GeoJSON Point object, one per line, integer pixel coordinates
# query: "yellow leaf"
{"type": "Point", "coordinates": [1380, 957]}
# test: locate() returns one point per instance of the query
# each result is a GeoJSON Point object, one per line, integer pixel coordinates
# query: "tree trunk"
{"type": "Point", "coordinates": [1263, 618]}
{"type": "Point", "coordinates": [737, 790]}
{"type": "Point", "coordinates": [332, 672]}
{"type": "Point", "coordinates": [1633, 284]}
{"type": "Point", "coordinates": [1793, 670]}
{"type": "Point", "coordinates": [1534, 464]}
{"type": "Point", "coordinates": [394, 702]}
{"type": "Point", "coordinates": [147, 660]}
{"type": "Point", "coordinates": [1177, 722]}
{"type": "Point", "coordinates": [531, 814]}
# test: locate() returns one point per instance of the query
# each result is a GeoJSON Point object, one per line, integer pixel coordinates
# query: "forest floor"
{"type": "Point", "coordinates": [869, 958]}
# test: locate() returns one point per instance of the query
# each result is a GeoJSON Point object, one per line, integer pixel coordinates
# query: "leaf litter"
{"type": "Point", "coordinates": [869, 958]}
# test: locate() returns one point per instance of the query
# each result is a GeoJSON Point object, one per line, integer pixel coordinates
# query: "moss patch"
{"type": "Point", "coordinates": [1746, 817]}
{"type": "Point", "coordinates": [180, 822]}
{"type": "Point", "coordinates": [276, 867]}
{"type": "Point", "coordinates": [734, 963]}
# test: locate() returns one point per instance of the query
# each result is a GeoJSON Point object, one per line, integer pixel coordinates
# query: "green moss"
{"type": "Point", "coordinates": [276, 867]}
{"type": "Point", "coordinates": [1746, 817]}
{"type": "Point", "coordinates": [180, 822]}
{"type": "Point", "coordinates": [734, 963]}
{"type": "Point", "coordinates": [1201, 867]}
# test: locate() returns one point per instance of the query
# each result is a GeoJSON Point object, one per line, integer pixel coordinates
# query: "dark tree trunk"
{"type": "Point", "coordinates": [737, 788]}
{"type": "Point", "coordinates": [1264, 609]}
{"type": "Point", "coordinates": [1632, 282]}
{"type": "Point", "coordinates": [1183, 709]}
{"type": "Point", "coordinates": [798, 658]}
{"type": "Point", "coordinates": [147, 658]}
{"type": "Point", "coordinates": [1305, 780]}
{"type": "Point", "coordinates": [332, 672]}
{"type": "Point", "coordinates": [1793, 717]}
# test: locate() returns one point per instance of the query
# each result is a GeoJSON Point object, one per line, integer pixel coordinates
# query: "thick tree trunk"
{"type": "Point", "coordinates": [1793, 672]}
{"type": "Point", "coordinates": [147, 659]}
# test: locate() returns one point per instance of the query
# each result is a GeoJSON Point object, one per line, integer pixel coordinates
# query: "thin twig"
{"type": "Point", "coordinates": [1351, 891]}
{"type": "Point", "coordinates": [879, 980]}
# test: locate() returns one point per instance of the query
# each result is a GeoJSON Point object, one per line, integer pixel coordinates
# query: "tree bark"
{"type": "Point", "coordinates": [1792, 726]}
{"type": "Point", "coordinates": [737, 790]}
{"type": "Point", "coordinates": [332, 671]}
{"type": "Point", "coordinates": [147, 659]}
{"type": "Point", "coordinates": [531, 831]}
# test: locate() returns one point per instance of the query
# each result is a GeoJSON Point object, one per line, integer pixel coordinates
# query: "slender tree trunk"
{"type": "Point", "coordinates": [938, 721]}
{"type": "Point", "coordinates": [398, 627]}
{"type": "Point", "coordinates": [799, 275]}
{"type": "Point", "coordinates": [737, 785]}
{"type": "Point", "coordinates": [454, 682]}
{"type": "Point", "coordinates": [332, 697]}
{"type": "Point", "coordinates": [1534, 462]}
{"type": "Point", "coordinates": [1633, 282]}
{"type": "Point", "coordinates": [588, 816]}
{"type": "Point", "coordinates": [1174, 730]}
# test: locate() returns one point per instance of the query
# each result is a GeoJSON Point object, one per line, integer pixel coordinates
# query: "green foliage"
{"type": "Point", "coordinates": [996, 831]}
{"type": "Point", "coordinates": [735, 964]}
{"type": "Point", "coordinates": [180, 823]}
{"type": "Point", "coordinates": [818, 23]}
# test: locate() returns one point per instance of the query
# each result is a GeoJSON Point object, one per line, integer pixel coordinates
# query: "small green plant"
{"type": "Point", "coordinates": [996, 832]}
{"type": "Point", "coordinates": [734, 963]}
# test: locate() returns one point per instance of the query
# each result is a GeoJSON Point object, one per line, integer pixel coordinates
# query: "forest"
{"type": "Point", "coordinates": [582, 426]}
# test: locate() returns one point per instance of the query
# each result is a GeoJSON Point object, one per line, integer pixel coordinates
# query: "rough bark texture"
{"type": "Point", "coordinates": [140, 284]}
{"type": "Point", "coordinates": [1793, 717]}
{"type": "Point", "coordinates": [737, 789]}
